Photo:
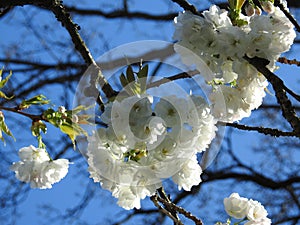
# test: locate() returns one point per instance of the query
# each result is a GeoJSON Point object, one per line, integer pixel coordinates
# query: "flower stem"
{"type": "Point", "coordinates": [15, 110]}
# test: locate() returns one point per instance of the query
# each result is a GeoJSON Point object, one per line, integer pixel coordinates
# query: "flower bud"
{"type": "Point", "coordinates": [267, 6]}
{"type": "Point", "coordinates": [61, 109]}
{"type": "Point", "coordinates": [75, 118]}
{"type": "Point", "coordinates": [257, 11]}
{"type": "Point", "coordinates": [250, 10]}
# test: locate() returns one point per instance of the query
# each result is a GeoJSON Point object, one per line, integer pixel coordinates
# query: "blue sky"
{"type": "Point", "coordinates": [64, 195]}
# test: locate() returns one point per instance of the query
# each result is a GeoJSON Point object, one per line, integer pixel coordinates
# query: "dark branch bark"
{"type": "Point", "coordinates": [173, 212]}
{"type": "Point", "coordinates": [288, 61]}
{"type": "Point", "coordinates": [209, 176]}
{"type": "Point", "coordinates": [288, 110]}
{"type": "Point", "coordinates": [187, 6]}
{"type": "Point", "coordinates": [121, 14]}
{"type": "Point", "coordinates": [182, 211]}
{"type": "Point", "coordinates": [263, 130]}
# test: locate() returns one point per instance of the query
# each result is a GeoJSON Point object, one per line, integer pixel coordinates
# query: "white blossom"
{"type": "Point", "coordinates": [263, 221]}
{"type": "Point", "coordinates": [256, 211]}
{"type": "Point", "coordinates": [248, 210]}
{"type": "Point", "coordinates": [146, 142]}
{"type": "Point", "coordinates": [236, 206]}
{"type": "Point", "coordinates": [189, 175]}
{"type": "Point", "coordinates": [213, 42]}
{"type": "Point", "coordinates": [37, 168]}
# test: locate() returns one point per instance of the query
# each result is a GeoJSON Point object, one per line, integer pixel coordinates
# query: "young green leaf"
{"type": "Point", "coordinates": [130, 74]}
{"type": "Point", "coordinates": [4, 128]}
{"type": "Point", "coordinates": [2, 95]}
{"type": "Point", "coordinates": [72, 130]}
{"type": "Point", "coordinates": [36, 100]}
{"type": "Point", "coordinates": [142, 75]}
{"type": "Point", "coordinates": [4, 81]}
{"type": "Point", "coordinates": [143, 72]}
{"type": "Point", "coordinates": [123, 80]}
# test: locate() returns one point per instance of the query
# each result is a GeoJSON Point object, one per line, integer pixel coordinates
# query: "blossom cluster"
{"type": "Point", "coordinates": [38, 168]}
{"type": "Point", "coordinates": [245, 209]}
{"type": "Point", "coordinates": [146, 141]}
{"type": "Point", "coordinates": [219, 44]}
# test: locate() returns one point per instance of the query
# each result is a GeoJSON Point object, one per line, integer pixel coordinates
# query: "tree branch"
{"type": "Point", "coordinates": [263, 130]}
{"type": "Point", "coordinates": [288, 110]}
{"type": "Point", "coordinates": [176, 221]}
{"type": "Point", "coordinates": [182, 211]}
{"type": "Point", "coordinates": [187, 6]}
{"type": "Point", "coordinates": [121, 14]}
{"type": "Point", "coordinates": [257, 178]}
{"type": "Point", "coordinates": [284, 60]}
{"type": "Point", "coordinates": [164, 196]}
{"type": "Point", "coordinates": [31, 116]}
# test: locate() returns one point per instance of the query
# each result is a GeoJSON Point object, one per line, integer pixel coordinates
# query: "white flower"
{"type": "Point", "coordinates": [216, 47]}
{"type": "Point", "coordinates": [256, 211]}
{"type": "Point", "coordinates": [189, 175]}
{"type": "Point", "coordinates": [37, 168]}
{"type": "Point", "coordinates": [127, 199]}
{"type": "Point", "coordinates": [131, 156]}
{"type": "Point", "coordinates": [218, 17]}
{"type": "Point", "coordinates": [62, 109]}
{"type": "Point", "coordinates": [54, 171]}
{"type": "Point", "coordinates": [33, 154]}
{"type": "Point", "coordinates": [236, 206]}
{"type": "Point", "coordinates": [203, 124]}
{"type": "Point", "coordinates": [166, 149]}
{"type": "Point", "coordinates": [228, 74]}
{"type": "Point", "coordinates": [228, 105]}
{"type": "Point", "coordinates": [263, 221]}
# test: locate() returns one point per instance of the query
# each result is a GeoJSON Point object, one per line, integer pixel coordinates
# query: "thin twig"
{"type": "Point", "coordinates": [64, 17]}
{"type": "Point", "coordinates": [264, 130]}
{"type": "Point", "coordinates": [163, 210]}
{"type": "Point", "coordinates": [187, 6]}
{"type": "Point", "coordinates": [284, 60]}
{"type": "Point", "coordinates": [181, 211]}
{"type": "Point", "coordinates": [165, 80]}
{"type": "Point", "coordinates": [164, 196]}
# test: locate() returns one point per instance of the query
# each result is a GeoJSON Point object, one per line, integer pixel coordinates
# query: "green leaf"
{"type": "Point", "coordinates": [80, 108]}
{"type": "Point", "coordinates": [4, 128]}
{"type": "Point", "coordinates": [72, 130]}
{"type": "Point", "coordinates": [143, 72]}
{"type": "Point", "coordinates": [36, 100]}
{"type": "Point", "coordinates": [2, 95]}
{"type": "Point", "coordinates": [123, 80]}
{"type": "Point", "coordinates": [142, 75]}
{"type": "Point", "coordinates": [4, 81]}
{"type": "Point", "coordinates": [130, 74]}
